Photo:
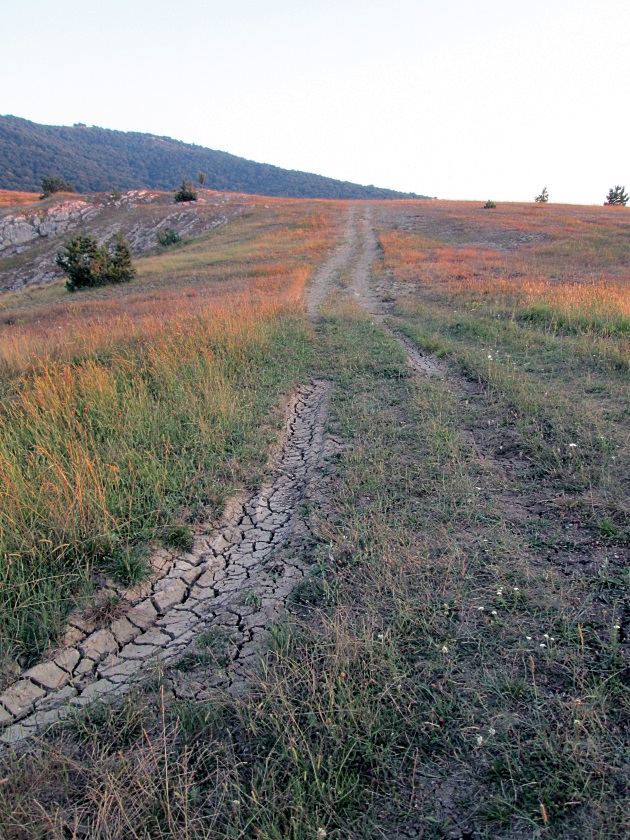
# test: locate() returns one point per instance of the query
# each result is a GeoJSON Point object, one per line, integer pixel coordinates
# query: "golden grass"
{"type": "Point", "coordinates": [14, 198]}
{"type": "Point", "coordinates": [126, 408]}
{"type": "Point", "coordinates": [573, 262]}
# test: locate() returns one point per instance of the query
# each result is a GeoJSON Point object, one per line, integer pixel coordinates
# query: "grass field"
{"type": "Point", "coordinates": [12, 198]}
{"type": "Point", "coordinates": [460, 666]}
{"type": "Point", "coordinates": [129, 408]}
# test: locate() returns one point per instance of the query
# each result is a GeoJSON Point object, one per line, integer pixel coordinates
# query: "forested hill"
{"type": "Point", "coordinates": [99, 159]}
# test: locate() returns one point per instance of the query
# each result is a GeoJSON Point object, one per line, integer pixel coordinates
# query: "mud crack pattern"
{"type": "Point", "coordinates": [228, 590]}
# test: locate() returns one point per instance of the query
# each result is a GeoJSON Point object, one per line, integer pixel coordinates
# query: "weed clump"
{"type": "Point", "coordinates": [168, 237]}
{"type": "Point", "coordinates": [179, 536]}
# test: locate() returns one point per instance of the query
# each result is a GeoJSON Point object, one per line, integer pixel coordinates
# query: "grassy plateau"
{"type": "Point", "coordinates": [456, 665]}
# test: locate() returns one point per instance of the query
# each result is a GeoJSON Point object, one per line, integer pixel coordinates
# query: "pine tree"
{"type": "Point", "coordinates": [83, 261]}
{"type": "Point", "coordinates": [88, 264]}
{"type": "Point", "coordinates": [543, 198]}
{"type": "Point", "coordinates": [120, 268]}
{"type": "Point", "coordinates": [186, 192]}
{"type": "Point", "coordinates": [617, 195]}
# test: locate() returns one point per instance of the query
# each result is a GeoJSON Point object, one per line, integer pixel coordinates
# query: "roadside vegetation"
{"type": "Point", "coordinates": [457, 664]}
{"type": "Point", "coordinates": [134, 409]}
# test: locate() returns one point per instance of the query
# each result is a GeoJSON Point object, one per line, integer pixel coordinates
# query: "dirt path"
{"type": "Point", "coordinates": [520, 505]}
{"type": "Point", "coordinates": [367, 250]}
{"type": "Point", "coordinates": [334, 267]}
{"type": "Point", "coordinates": [225, 593]}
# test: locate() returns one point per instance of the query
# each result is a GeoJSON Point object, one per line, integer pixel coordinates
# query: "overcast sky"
{"type": "Point", "coordinates": [468, 99]}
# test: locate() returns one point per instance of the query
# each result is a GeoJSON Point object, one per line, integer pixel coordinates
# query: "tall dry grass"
{"type": "Point", "coordinates": [121, 413]}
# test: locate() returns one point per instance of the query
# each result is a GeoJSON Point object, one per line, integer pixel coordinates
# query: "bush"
{"type": "Point", "coordinates": [489, 205]}
{"type": "Point", "coordinates": [88, 264]}
{"type": "Point", "coordinates": [52, 184]}
{"type": "Point", "coordinates": [543, 198]}
{"type": "Point", "coordinates": [617, 196]}
{"type": "Point", "coordinates": [168, 237]}
{"type": "Point", "coordinates": [186, 192]}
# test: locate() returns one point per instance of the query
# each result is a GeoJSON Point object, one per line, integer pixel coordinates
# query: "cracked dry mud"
{"type": "Point", "coordinates": [229, 589]}
{"type": "Point", "coordinates": [225, 593]}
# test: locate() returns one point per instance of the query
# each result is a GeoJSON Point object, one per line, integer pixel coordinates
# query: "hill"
{"type": "Point", "coordinates": [308, 571]}
{"type": "Point", "coordinates": [99, 159]}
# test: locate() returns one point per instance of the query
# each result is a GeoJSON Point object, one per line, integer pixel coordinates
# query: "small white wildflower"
{"type": "Point", "coordinates": [542, 645]}
{"type": "Point", "coordinates": [494, 612]}
{"type": "Point", "coordinates": [492, 731]}
{"type": "Point", "coordinates": [490, 356]}
{"type": "Point", "coordinates": [236, 803]}
{"type": "Point", "coordinates": [545, 635]}
{"type": "Point", "coordinates": [380, 637]}
{"type": "Point", "coordinates": [444, 648]}
{"type": "Point", "coordinates": [480, 608]}
{"type": "Point", "coordinates": [573, 446]}
{"type": "Point", "coordinates": [500, 591]}
{"type": "Point", "coordinates": [321, 833]}
{"type": "Point", "coordinates": [516, 589]}
{"type": "Point", "coordinates": [529, 638]}
{"type": "Point", "coordinates": [551, 639]}
{"type": "Point", "coordinates": [479, 740]}
{"type": "Point", "coordinates": [577, 722]}
{"type": "Point", "coordinates": [616, 626]}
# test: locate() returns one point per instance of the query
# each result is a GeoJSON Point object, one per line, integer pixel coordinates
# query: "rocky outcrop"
{"type": "Point", "coordinates": [30, 240]}
{"type": "Point", "coordinates": [18, 231]}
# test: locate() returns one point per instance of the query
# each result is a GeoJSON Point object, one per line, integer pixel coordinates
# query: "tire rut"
{"type": "Point", "coordinates": [226, 592]}
{"type": "Point", "coordinates": [520, 506]}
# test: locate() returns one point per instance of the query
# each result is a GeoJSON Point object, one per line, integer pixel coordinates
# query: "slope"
{"type": "Point", "coordinates": [98, 159]}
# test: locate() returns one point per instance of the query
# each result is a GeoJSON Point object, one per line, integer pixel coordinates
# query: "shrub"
{"type": "Point", "coordinates": [617, 195]}
{"type": "Point", "coordinates": [168, 237]}
{"type": "Point", "coordinates": [489, 205]}
{"type": "Point", "coordinates": [543, 198]}
{"type": "Point", "coordinates": [52, 184]}
{"type": "Point", "coordinates": [186, 192]}
{"type": "Point", "coordinates": [89, 264]}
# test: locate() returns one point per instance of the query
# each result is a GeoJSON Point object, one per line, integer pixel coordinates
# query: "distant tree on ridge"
{"type": "Point", "coordinates": [186, 192]}
{"type": "Point", "coordinates": [543, 198]}
{"type": "Point", "coordinates": [617, 195]}
{"type": "Point", "coordinates": [53, 184]}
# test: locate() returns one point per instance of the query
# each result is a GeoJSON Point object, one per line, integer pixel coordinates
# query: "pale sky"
{"type": "Point", "coordinates": [460, 99]}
